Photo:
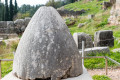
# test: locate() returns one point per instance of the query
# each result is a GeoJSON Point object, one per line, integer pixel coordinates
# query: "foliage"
{"type": "Point", "coordinates": [6, 11]}
{"type": "Point", "coordinates": [28, 9]}
{"type": "Point", "coordinates": [22, 16]}
{"type": "Point", "coordinates": [6, 66]}
{"type": "Point", "coordinates": [100, 77]}
{"type": "Point", "coordinates": [15, 8]}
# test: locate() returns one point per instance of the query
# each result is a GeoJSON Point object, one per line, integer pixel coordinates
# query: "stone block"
{"type": "Point", "coordinates": [79, 37]}
{"type": "Point", "coordinates": [104, 38]}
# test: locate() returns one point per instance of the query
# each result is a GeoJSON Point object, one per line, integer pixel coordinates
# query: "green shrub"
{"type": "Point", "coordinates": [100, 77]}
{"type": "Point", "coordinates": [102, 24]}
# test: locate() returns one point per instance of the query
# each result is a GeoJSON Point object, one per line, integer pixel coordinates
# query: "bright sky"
{"type": "Point", "coordinates": [31, 2]}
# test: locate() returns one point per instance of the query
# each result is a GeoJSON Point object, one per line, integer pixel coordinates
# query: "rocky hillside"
{"type": "Point", "coordinates": [94, 19]}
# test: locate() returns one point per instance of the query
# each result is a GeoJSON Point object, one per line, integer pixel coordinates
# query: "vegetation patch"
{"type": "Point", "coordinates": [100, 77]}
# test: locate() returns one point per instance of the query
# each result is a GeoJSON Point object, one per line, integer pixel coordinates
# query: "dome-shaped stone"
{"type": "Point", "coordinates": [47, 49]}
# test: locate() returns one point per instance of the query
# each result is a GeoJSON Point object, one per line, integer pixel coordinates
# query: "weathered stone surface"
{"type": "Point", "coordinates": [27, 20]}
{"type": "Point", "coordinates": [3, 27]}
{"type": "Point", "coordinates": [106, 5]}
{"type": "Point", "coordinates": [84, 76]}
{"type": "Point", "coordinates": [19, 23]}
{"type": "Point", "coordinates": [47, 49]}
{"type": "Point", "coordinates": [63, 12]}
{"type": "Point", "coordinates": [91, 16]}
{"type": "Point", "coordinates": [104, 38]}
{"type": "Point", "coordinates": [80, 25]}
{"type": "Point", "coordinates": [115, 13]}
{"type": "Point", "coordinates": [116, 50]}
{"type": "Point", "coordinates": [8, 36]}
{"type": "Point", "coordinates": [112, 1]}
{"type": "Point", "coordinates": [96, 50]}
{"type": "Point", "coordinates": [79, 37]}
{"type": "Point", "coordinates": [10, 27]}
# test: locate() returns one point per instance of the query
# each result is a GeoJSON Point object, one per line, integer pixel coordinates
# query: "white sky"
{"type": "Point", "coordinates": [31, 2]}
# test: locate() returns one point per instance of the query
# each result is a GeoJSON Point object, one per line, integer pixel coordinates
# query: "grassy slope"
{"type": "Point", "coordinates": [99, 22]}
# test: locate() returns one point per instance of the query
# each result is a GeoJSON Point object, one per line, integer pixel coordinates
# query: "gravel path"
{"type": "Point", "coordinates": [114, 74]}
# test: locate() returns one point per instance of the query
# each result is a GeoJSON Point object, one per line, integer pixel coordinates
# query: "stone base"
{"type": "Point", "coordinates": [8, 36]}
{"type": "Point", "coordinates": [95, 50]}
{"type": "Point", "coordinates": [84, 76]}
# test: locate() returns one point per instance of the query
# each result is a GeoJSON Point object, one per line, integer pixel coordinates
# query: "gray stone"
{"type": "Point", "coordinates": [19, 23]}
{"type": "Point", "coordinates": [10, 27]}
{"type": "Point", "coordinates": [104, 38]}
{"type": "Point", "coordinates": [106, 5]}
{"type": "Point", "coordinates": [116, 50]}
{"type": "Point", "coordinates": [8, 36]}
{"type": "Point", "coordinates": [27, 20]}
{"type": "Point", "coordinates": [64, 12]}
{"type": "Point", "coordinates": [47, 49]}
{"type": "Point", "coordinates": [84, 76]}
{"type": "Point", "coordinates": [91, 16]}
{"type": "Point", "coordinates": [79, 37]}
{"type": "Point", "coordinates": [80, 25]}
{"type": "Point", "coordinates": [3, 27]}
{"type": "Point", "coordinates": [96, 50]}
{"type": "Point", "coordinates": [114, 18]}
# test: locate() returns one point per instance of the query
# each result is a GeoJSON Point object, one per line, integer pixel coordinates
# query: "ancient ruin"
{"type": "Point", "coordinates": [64, 12]}
{"type": "Point", "coordinates": [47, 49]}
{"type": "Point", "coordinates": [104, 38]}
{"type": "Point", "coordinates": [9, 28]}
{"type": "Point", "coordinates": [115, 13]}
{"type": "Point", "coordinates": [79, 37]}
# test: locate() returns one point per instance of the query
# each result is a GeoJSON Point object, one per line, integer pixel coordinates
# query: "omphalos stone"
{"type": "Point", "coordinates": [47, 49]}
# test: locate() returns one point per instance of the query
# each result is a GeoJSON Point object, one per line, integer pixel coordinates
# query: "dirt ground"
{"type": "Point", "coordinates": [114, 74]}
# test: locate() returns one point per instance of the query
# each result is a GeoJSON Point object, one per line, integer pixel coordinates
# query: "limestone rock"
{"type": "Point", "coordinates": [91, 16]}
{"type": "Point", "coordinates": [10, 27]}
{"type": "Point", "coordinates": [104, 38]}
{"type": "Point", "coordinates": [80, 25]}
{"type": "Point", "coordinates": [27, 20]}
{"type": "Point", "coordinates": [3, 27]}
{"type": "Point", "coordinates": [47, 49]}
{"type": "Point", "coordinates": [115, 13]}
{"type": "Point", "coordinates": [106, 5]}
{"type": "Point", "coordinates": [79, 37]}
{"type": "Point", "coordinates": [19, 23]}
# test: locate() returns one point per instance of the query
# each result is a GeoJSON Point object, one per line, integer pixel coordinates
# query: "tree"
{"type": "Point", "coordinates": [0, 10]}
{"type": "Point", "coordinates": [11, 10]}
{"type": "Point", "coordinates": [6, 11]}
{"type": "Point", "coordinates": [15, 8]}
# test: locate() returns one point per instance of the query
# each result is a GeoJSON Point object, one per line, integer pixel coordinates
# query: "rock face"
{"type": "Point", "coordinates": [10, 27]}
{"type": "Point", "coordinates": [64, 12]}
{"type": "Point", "coordinates": [3, 27]}
{"type": "Point", "coordinates": [47, 49]}
{"type": "Point", "coordinates": [104, 38]}
{"type": "Point", "coordinates": [79, 37]}
{"type": "Point", "coordinates": [115, 13]}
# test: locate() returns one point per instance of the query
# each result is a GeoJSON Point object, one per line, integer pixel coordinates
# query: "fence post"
{"type": "Point", "coordinates": [0, 71]}
{"type": "Point", "coordinates": [83, 48]}
{"type": "Point", "coordinates": [106, 66]}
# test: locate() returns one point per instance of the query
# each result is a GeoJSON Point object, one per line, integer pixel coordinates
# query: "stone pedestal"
{"type": "Point", "coordinates": [84, 76]}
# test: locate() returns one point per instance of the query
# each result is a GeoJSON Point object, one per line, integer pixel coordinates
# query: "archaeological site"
{"type": "Point", "coordinates": [59, 39]}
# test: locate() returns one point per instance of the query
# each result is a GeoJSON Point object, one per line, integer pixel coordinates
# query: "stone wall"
{"type": "Point", "coordinates": [10, 27]}
{"type": "Point", "coordinates": [64, 12]}
{"type": "Point", "coordinates": [115, 14]}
